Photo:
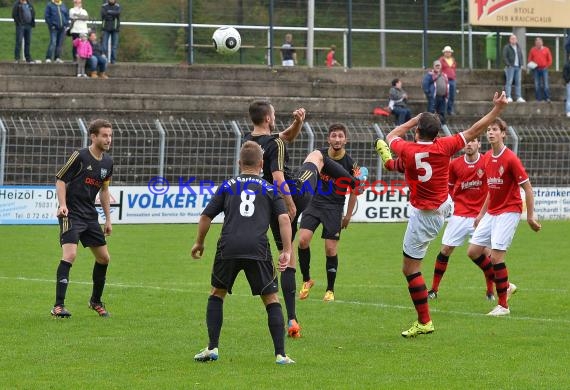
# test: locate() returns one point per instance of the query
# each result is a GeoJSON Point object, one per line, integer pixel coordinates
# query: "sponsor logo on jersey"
{"type": "Point", "coordinates": [494, 181]}
{"type": "Point", "coordinates": [471, 184]}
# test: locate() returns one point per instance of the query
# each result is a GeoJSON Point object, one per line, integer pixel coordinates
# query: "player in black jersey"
{"type": "Point", "coordinates": [249, 203]}
{"type": "Point", "coordinates": [292, 185]}
{"type": "Point", "coordinates": [327, 208]}
{"type": "Point", "coordinates": [87, 173]}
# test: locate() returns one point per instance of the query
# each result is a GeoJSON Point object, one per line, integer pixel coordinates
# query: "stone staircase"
{"type": "Point", "coordinates": [224, 92]}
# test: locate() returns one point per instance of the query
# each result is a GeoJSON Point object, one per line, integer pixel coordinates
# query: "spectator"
{"type": "Point", "coordinates": [79, 17]}
{"type": "Point", "coordinates": [436, 87]}
{"type": "Point", "coordinates": [57, 19]}
{"type": "Point", "coordinates": [331, 61]}
{"type": "Point", "coordinates": [398, 102]}
{"type": "Point", "coordinates": [513, 58]}
{"type": "Point", "coordinates": [542, 57]}
{"type": "Point", "coordinates": [566, 77]}
{"type": "Point", "coordinates": [288, 53]}
{"type": "Point", "coordinates": [84, 52]}
{"type": "Point", "coordinates": [449, 66]}
{"type": "Point", "coordinates": [97, 64]}
{"type": "Point", "coordinates": [25, 18]}
{"type": "Point", "coordinates": [111, 16]}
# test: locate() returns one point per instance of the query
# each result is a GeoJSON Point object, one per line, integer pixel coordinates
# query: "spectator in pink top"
{"type": "Point", "coordinates": [84, 52]}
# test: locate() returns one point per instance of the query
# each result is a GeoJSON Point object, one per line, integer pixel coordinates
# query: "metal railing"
{"type": "Point", "coordinates": [33, 150]}
{"type": "Point", "coordinates": [259, 41]}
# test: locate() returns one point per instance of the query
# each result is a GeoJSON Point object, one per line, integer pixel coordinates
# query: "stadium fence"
{"type": "Point", "coordinates": [33, 149]}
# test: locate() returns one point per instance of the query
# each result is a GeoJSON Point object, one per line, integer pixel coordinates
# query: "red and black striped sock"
{"type": "Point", "coordinates": [419, 294]}
{"type": "Point", "coordinates": [485, 264]}
{"type": "Point", "coordinates": [501, 282]}
{"type": "Point", "coordinates": [439, 270]}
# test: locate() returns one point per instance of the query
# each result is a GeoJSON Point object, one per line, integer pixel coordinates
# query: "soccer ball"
{"type": "Point", "coordinates": [226, 40]}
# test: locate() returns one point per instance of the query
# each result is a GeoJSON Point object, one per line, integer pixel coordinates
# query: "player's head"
{"type": "Point", "coordinates": [100, 132]}
{"type": "Point", "coordinates": [497, 131]}
{"type": "Point", "coordinates": [261, 113]}
{"type": "Point", "coordinates": [395, 83]}
{"type": "Point", "coordinates": [338, 134]}
{"type": "Point", "coordinates": [251, 156]}
{"type": "Point", "coordinates": [429, 126]}
{"type": "Point", "coordinates": [472, 147]}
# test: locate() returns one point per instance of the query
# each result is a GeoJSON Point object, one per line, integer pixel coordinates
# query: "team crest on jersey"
{"type": "Point", "coordinates": [103, 173]}
{"type": "Point", "coordinates": [501, 170]}
{"type": "Point", "coordinates": [480, 173]}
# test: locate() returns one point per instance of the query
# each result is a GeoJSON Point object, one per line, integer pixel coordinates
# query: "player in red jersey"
{"type": "Point", "coordinates": [426, 163]}
{"type": "Point", "coordinates": [468, 189]}
{"type": "Point", "coordinates": [497, 222]}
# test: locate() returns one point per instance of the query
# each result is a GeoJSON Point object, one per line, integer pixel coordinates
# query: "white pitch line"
{"type": "Point", "coordinates": [337, 301]}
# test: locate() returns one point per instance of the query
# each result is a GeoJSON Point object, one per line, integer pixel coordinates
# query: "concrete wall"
{"type": "Point", "coordinates": [226, 91]}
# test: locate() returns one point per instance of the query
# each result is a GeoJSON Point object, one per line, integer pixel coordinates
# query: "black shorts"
{"type": "Point", "coordinates": [330, 217]}
{"type": "Point", "coordinates": [261, 275]}
{"type": "Point", "coordinates": [89, 232]}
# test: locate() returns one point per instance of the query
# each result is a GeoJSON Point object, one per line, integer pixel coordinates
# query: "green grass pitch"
{"type": "Point", "coordinates": [157, 297]}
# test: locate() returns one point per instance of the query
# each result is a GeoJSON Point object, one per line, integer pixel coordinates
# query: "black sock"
{"type": "Point", "coordinates": [214, 320]}
{"type": "Point", "coordinates": [61, 282]}
{"type": "Point", "coordinates": [276, 327]}
{"type": "Point", "coordinates": [99, 274]}
{"type": "Point", "coordinates": [332, 265]}
{"type": "Point", "coordinates": [334, 169]}
{"type": "Point", "coordinates": [289, 288]}
{"type": "Point", "coordinates": [305, 262]}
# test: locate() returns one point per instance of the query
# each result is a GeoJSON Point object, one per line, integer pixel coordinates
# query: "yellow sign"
{"type": "Point", "coordinates": [520, 13]}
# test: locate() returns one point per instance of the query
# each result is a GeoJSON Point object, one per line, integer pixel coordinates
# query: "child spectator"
{"type": "Point", "coordinates": [84, 52]}
{"type": "Point", "coordinates": [331, 61]}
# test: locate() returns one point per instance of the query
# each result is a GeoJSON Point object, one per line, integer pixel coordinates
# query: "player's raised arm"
{"type": "Point", "coordinates": [479, 127]}
{"type": "Point", "coordinates": [290, 133]}
{"type": "Point", "coordinates": [401, 130]}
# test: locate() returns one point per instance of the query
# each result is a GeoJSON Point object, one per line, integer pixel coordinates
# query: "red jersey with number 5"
{"type": "Point", "coordinates": [468, 185]}
{"type": "Point", "coordinates": [505, 173]}
{"type": "Point", "coordinates": [427, 168]}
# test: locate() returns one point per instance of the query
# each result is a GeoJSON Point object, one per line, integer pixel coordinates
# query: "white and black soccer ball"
{"type": "Point", "coordinates": [226, 40]}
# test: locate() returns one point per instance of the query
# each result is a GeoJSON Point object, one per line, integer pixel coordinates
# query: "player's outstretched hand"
{"type": "Point", "coordinates": [500, 100]}
{"type": "Point", "coordinates": [284, 258]}
{"type": "Point", "coordinates": [534, 224]}
{"type": "Point", "coordinates": [299, 114]}
{"type": "Point", "coordinates": [197, 251]}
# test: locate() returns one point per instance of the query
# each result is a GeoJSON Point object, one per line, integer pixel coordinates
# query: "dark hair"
{"type": "Point", "coordinates": [338, 127]}
{"type": "Point", "coordinates": [429, 126]}
{"type": "Point", "coordinates": [97, 125]}
{"type": "Point", "coordinates": [394, 82]}
{"type": "Point", "coordinates": [250, 154]}
{"type": "Point", "coordinates": [501, 123]}
{"type": "Point", "coordinates": [258, 110]}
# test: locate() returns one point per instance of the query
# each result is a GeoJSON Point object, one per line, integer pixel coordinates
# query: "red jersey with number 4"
{"type": "Point", "coordinates": [468, 185]}
{"type": "Point", "coordinates": [427, 168]}
{"type": "Point", "coordinates": [505, 173]}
